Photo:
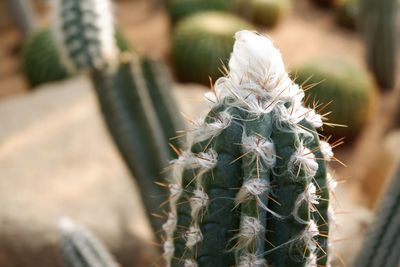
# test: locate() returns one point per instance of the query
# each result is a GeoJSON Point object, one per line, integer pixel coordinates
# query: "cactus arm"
{"type": "Point", "coordinates": [160, 91]}
{"type": "Point", "coordinates": [131, 133]}
{"type": "Point", "coordinates": [382, 242]}
{"type": "Point", "coordinates": [80, 248]}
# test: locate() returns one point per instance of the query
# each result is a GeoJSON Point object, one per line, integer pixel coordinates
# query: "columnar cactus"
{"type": "Point", "coordinates": [80, 248]}
{"type": "Point", "coordinates": [251, 189]}
{"type": "Point", "coordinates": [141, 122]}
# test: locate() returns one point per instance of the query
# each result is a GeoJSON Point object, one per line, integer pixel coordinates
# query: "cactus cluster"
{"type": "Point", "coordinates": [80, 248]}
{"type": "Point", "coordinates": [179, 9]}
{"type": "Point", "coordinates": [134, 95]}
{"type": "Point", "coordinates": [251, 188]}
{"type": "Point", "coordinates": [201, 42]}
{"type": "Point", "coordinates": [347, 90]}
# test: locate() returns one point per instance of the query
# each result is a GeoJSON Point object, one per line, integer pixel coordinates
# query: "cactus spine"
{"type": "Point", "coordinates": [251, 189]}
{"type": "Point", "coordinates": [80, 248]}
{"type": "Point", "coordinates": [382, 244]}
{"type": "Point", "coordinates": [140, 122]}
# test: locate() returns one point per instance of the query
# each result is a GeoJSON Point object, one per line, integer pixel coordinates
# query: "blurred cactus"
{"type": "Point", "coordinates": [179, 9]}
{"type": "Point", "coordinates": [24, 15]}
{"type": "Point", "coordinates": [40, 60]}
{"type": "Point", "coordinates": [135, 98]}
{"type": "Point", "coordinates": [327, 3]}
{"type": "Point", "coordinates": [378, 20]}
{"type": "Point", "coordinates": [347, 14]}
{"type": "Point", "coordinates": [382, 245]}
{"type": "Point", "coordinates": [252, 187]}
{"type": "Point", "coordinates": [263, 12]}
{"type": "Point", "coordinates": [346, 89]}
{"type": "Point", "coordinates": [201, 42]}
{"type": "Point", "coordinates": [80, 248]}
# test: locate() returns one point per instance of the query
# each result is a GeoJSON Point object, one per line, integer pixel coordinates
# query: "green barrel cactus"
{"type": "Point", "coordinates": [179, 9]}
{"type": "Point", "coordinates": [378, 20]}
{"type": "Point", "coordinates": [40, 60]}
{"type": "Point", "coordinates": [267, 12]}
{"type": "Point", "coordinates": [347, 90]}
{"type": "Point", "coordinates": [201, 42]}
{"type": "Point", "coordinates": [347, 14]}
{"type": "Point", "coordinates": [382, 244]}
{"type": "Point", "coordinates": [80, 248]}
{"type": "Point", "coordinates": [251, 188]}
{"type": "Point", "coordinates": [134, 95]}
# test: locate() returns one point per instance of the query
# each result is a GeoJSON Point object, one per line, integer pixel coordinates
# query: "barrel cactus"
{"type": "Point", "coordinates": [266, 12]}
{"type": "Point", "coordinates": [252, 188]}
{"type": "Point", "coordinates": [200, 42]}
{"type": "Point", "coordinates": [179, 9]}
{"type": "Point", "coordinates": [347, 90]}
{"type": "Point", "coordinates": [40, 60]}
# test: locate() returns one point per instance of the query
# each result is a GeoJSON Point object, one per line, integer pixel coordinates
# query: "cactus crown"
{"type": "Point", "coordinates": [84, 31]}
{"type": "Point", "coordinates": [251, 189]}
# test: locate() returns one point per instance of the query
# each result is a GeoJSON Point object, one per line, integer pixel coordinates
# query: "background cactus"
{"type": "Point", "coordinates": [347, 89]}
{"type": "Point", "coordinates": [379, 27]}
{"type": "Point", "coordinates": [203, 41]}
{"type": "Point", "coordinates": [347, 14]}
{"type": "Point", "coordinates": [327, 3]}
{"type": "Point", "coordinates": [41, 62]}
{"type": "Point", "coordinates": [251, 189]}
{"type": "Point", "coordinates": [382, 245]}
{"type": "Point", "coordinates": [80, 248]}
{"type": "Point", "coordinates": [179, 9]}
{"type": "Point", "coordinates": [135, 98]}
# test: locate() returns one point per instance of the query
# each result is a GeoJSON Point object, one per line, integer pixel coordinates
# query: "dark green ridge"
{"type": "Point", "coordinates": [321, 217]}
{"type": "Point", "coordinates": [287, 188]}
{"type": "Point", "coordinates": [123, 100]}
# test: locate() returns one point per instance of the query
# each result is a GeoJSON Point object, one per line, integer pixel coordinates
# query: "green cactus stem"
{"type": "Point", "coordinates": [382, 245]}
{"type": "Point", "coordinates": [252, 188]}
{"type": "Point", "coordinates": [80, 248]}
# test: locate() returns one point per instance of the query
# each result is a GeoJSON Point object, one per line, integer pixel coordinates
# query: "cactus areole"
{"type": "Point", "coordinates": [251, 189]}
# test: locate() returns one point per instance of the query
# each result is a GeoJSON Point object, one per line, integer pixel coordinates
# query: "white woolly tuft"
{"type": "Point", "coordinates": [331, 183]}
{"type": "Point", "coordinates": [190, 263]}
{"type": "Point", "coordinates": [326, 150]}
{"type": "Point", "coordinates": [101, 16]}
{"type": "Point", "coordinates": [170, 225]}
{"type": "Point", "coordinates": [312, 260]}
{"type": "Point", "coordinates": [193, 236]}
{"type": "Point", "coordinates": [310, 195]}
{"type": "Point", "coordinates": [250, 229]}
{"type": "Point", "coordinates": [309, 235]}
{"type": "Point", "coordinates": [261, 148]}
{"type": "Point", "coordinates": [169, 249]}
{"type": "Point", "coordinates": [251, 260]}
{"type": "Point", "coordinates": [204, 131]}
{"type": "Point", "coordinates": [198, 201]}
{"type": "Point", "coordinates": [304, 158]}
{"type": "Point", "coordinates": [315, 119]}
{"type": "Point", "coordinates": [252, 188]}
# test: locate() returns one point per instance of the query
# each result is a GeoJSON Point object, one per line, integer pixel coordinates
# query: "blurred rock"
{"type": "Point", "coordinates": [56, 159]}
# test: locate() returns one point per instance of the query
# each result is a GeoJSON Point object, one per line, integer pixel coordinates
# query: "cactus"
{"type": "Point", "coordinates": [378, 20]}
{"type": "Point", "coordinates": [263, 12]}
{"type": "Point", "coordinates": [179, 9]}
{"type": "Point", "coordinates": [80, 248]}
{"type": "Point", "coordinates": [382, 244]}
{"type": "Point", "coordinates": [327, 3]}
{"type": "Point", "coordinates": [41, 61]}
{"type": "Point", "coordinates": [134, 97]}
{"type": "Point", "coordinates": [202, 41]}
{"type": "Point", "coordinates": [24, 15]}
{"type": "Point", "coordinates": [251, 189]}
{"type": "Point", "coordinates": [346, 89]}
{"type": "Point", "coordinates": [347, 14]}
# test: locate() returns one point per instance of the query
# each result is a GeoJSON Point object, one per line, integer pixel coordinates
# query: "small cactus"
{"type": "Point", "coordinates": [382, 245]}
{"type": "Point", "coordinates": [347, 90]}
{"type": "Point", "coordinates": [251, 189]}
{"type": "Point", "coordinates": [178, 9]}
{"type": "Point", "coordinates": [202, 41]}
{"type": "Point", "coordinates": [80, 248]}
